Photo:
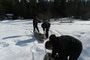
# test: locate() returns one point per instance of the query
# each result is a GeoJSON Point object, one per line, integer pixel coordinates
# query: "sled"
{"type": "Point", "coordinates": [40, 36]}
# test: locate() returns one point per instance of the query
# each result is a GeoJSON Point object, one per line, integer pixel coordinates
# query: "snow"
{"type": "Point", "coordinates": [18, 43]}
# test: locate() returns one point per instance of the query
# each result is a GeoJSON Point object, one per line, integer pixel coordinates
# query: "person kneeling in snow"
{"type": "Point", "coordinates": [67, 47]}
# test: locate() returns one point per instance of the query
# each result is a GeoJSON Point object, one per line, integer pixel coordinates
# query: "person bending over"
{"type": "Point", "coordinates": [46, 26]}
{"type": "Point", "coordinates": [67, 47]}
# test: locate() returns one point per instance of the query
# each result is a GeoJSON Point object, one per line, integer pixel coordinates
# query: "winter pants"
{"type": "Point", "coordinates": [35, 27]}
{"type": "Point", "coordinates": [73, 56]}
{"type": "Point", "coordinates": [46, 32]}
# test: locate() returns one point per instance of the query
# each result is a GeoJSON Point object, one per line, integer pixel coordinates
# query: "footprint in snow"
{"type": "Point", "coordinates": [3, 44]}
{"type": "Point", "coordinates": [82, 32]}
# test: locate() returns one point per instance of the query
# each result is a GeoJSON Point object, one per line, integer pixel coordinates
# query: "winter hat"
{"type": "Point", "coordinates": [48, 44]}
{"type": "Point", "coordinates": [52, 37]}
{"type": "Point", "coordinates": [35, 17]}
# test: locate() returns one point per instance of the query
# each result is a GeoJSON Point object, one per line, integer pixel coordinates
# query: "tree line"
{"type": "Point", "coordinates": [45, 10]}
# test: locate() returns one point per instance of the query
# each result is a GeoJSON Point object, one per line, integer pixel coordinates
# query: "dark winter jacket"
{"type": "Point", "coordinates": [35, 22]}
{"type": "Point", "coordinates": [65, 45]}
{"type": "Point", "coordinates": [45, 25]}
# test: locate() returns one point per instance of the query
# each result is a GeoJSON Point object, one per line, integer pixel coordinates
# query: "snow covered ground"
{"type": "Point", "coordinates": [18, 43]}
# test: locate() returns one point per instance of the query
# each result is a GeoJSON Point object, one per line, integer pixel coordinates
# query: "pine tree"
{"type": "Point", "coordinates": [2, 11]}
{"type": "Point", "coordinates": [23, 8]}
{"type": "Point", "coordinates": [16, 8]}
{"type": "Point", "coordinates": [63, 8]}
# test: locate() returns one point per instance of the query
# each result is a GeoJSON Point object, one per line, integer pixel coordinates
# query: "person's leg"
{"type": "Point", "coordinates": [43, 29]}
{"type": "Point", "coordinates": [33, 28]}
{"type": "Point", "coordinates": [37, 28]}
{"type": "Point", "coordinates": [75, 55]}
{"type": "Point", "coordinates": [47, 33]}
{"type": "Point", "coordinates": [44, 32]}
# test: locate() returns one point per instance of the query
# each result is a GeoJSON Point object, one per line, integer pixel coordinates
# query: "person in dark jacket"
{"type": "Point", "coordinates": [65, 46]}
{"type": "Point", "coordinates": [35, 24]}
{"type": "Point", "coordinates": [46, 25]}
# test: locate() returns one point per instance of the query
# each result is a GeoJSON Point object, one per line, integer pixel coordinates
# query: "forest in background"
{"type": "Point", "coordinates": [45, 10]}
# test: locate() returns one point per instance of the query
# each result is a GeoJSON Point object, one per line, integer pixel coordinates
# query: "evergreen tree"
{"type": "Point", "coordinates": [44, 10]}
{"type": "Point", "coordinates": [2, 11]}
{"type": "Point", "coordinates": [63, 8]}
{"type": "Point", "coordinates": [16, 8]}
{"type": "Point", "coordinates": [77, 9]}
{"type": "Point", "coordinates": [23, 8]}
{"type": "Point", "coordinates": [7, 4]}
{"type": "Point", "coordinates": [34, 8]}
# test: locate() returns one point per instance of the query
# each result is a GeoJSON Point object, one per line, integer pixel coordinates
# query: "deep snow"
{"type": "Point", "coordinates": [18, 43]}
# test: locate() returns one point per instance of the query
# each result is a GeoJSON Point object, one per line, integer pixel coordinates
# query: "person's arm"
{"type": "Point", "coordinates": [39, 21]}
{"type": "Point", "coordinates": [53, 53]}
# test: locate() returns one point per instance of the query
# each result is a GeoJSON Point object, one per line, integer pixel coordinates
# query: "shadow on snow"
{"type": "Point", "coordinates": [24, 43]}
{"type": "Point", "coordinates": [10, 37]}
